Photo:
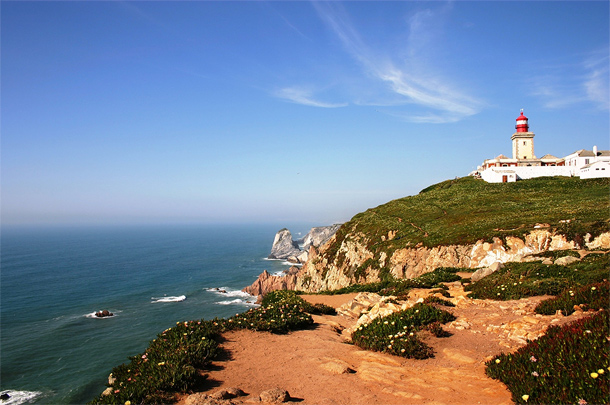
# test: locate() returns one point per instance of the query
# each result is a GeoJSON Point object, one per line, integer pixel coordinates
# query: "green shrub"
{"type": "Point", "coordinates": [591, 296]}
{"type": "Point", "coordinates": [431, 299]}
{"type": "Point", "coordinates": [569, 365]}
{"type": "Point", "coordinates": [292, 297]}
{"type": "Point", "coordinates": [397, 333]}
{"type": "Point", "coordinates": [556, 254]}
{"type": "Point", "coordinates": [168, 365]}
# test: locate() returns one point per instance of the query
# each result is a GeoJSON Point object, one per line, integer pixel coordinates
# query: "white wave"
{"type": "Point", "coordinates": [238, 301]}
{"type": "Point", "coordinates": [168, 299]}
{"type": "Point", "coordinates": [19, 397]}
{"type": "Point", "coordinates": [227, 292]}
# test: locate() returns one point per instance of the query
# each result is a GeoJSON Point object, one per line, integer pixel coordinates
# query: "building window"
{"type": "Point", "coordinates": [525, 143]}
{"type": "Point", "coordinates": [586, 161]}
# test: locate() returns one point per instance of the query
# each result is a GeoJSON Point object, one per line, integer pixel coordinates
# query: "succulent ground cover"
{"type": "Point", "coordinates": [569, 365]}
{"type": "Point", "coordinates": [401, 287]}
{"type": "Point", "coordinates": [171, 362]}
{"type": "Point", "coordinates": [397, 333]}
{"type": "Point", "coordinates": [519, 280]}
{"type": "Point", "coordinates": [591, 296]}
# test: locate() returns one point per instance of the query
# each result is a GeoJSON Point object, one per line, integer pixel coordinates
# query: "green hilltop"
{"type": "Point", "coordinates": [464, 210]}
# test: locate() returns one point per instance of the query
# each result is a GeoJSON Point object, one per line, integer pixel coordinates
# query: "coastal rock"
{"type": "Point", "coordinates": [266, 282]}
{"type": "Point", "coordinates": [564, 261]}
{"type": "Point", "coordinates": [283, 246]}
{"type": "Point", "coordinates": [103, 314]}
{"type": "Point", "coordinates": [486, 271]}
{"type": "Point", "coordinates": [275, 395]}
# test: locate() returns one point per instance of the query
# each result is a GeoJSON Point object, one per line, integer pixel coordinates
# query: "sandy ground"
{"type": "Point", "coordinates": [317, 366]}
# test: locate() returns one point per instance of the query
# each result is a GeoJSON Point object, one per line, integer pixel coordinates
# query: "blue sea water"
{"type": "Point", "coordinates": [53, 350]}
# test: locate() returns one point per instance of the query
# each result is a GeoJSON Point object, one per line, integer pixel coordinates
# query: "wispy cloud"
{"type": "Point", "coordinates": [584, 81]}
{"type": "Point", "coordinates": [304, 96]}
{"type": "Point", "coordinates": [415, 84]}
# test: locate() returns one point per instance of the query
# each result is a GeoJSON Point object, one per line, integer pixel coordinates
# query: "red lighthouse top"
{"type": "Point", "coordinates": [522, 125]}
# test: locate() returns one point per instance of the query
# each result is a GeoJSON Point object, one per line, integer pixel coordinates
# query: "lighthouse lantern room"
{"type": "Point", "coordinates": [523, 140]}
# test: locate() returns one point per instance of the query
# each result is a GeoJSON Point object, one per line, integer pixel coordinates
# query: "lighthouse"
{"type": "Point", "coordinates": [523, 140]}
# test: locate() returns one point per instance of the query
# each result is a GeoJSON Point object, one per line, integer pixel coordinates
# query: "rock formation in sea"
{"type": "Point", "coordinates": [284, 247]}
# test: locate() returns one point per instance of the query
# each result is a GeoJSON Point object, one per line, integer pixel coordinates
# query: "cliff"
{"type": "Point", "coordinates": [461, 223]}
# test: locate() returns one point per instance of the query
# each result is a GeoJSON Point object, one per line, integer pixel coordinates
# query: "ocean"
{"type": "Point", "coordinates": [53, 279]}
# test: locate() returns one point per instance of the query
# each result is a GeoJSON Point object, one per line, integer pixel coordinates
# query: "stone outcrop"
{"type": "Point", "coordinates": [275, 396]}
{"type": "Point", "coordinates": [267, 282]}
{"type": "Point", "coordinates": [486, 271]}
{"type": "Point", "coordinates": [354, 263]}
{"type": "Point", "coordinates": [283, 246]}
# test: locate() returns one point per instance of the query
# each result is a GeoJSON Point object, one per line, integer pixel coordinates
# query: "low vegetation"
{"type": "Point", "coordinates": [400, 288]}
{"type": "Point", "coordinates": [569, 365]}
{"type": "Point", "coordinates": [397, 333]}
{"type": "Point", "coordinates": [588, 297]}
{"type": "Point", "coordinates": [519, 280]}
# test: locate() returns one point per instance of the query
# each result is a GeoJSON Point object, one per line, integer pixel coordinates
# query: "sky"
{"type": "Point", "coordinates": [284, 111]}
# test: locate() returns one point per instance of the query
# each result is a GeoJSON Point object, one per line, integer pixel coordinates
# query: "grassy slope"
{"type": "Point", "coordinates": [464, 210]}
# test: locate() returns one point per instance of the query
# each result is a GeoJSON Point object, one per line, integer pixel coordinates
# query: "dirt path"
{"type": "Point", "coordinates": [317, 366]}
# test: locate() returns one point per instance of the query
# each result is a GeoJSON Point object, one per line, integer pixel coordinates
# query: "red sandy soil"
{"type": "Point", "coordinates": [317, 366]}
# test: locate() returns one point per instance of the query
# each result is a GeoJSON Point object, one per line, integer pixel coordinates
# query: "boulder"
{"type": "Point", "coordinates": [275, 395]}
{"type": "Point", "coordinates": [564, 261]}
{"type": "Point", "coordinates": [486, 271]}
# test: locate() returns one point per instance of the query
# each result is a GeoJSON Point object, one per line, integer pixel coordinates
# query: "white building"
{"type": "Point", "coordinates": [525, 165]}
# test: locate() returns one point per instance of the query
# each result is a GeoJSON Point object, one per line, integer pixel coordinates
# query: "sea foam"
{"type": "Point", "coordinates": [168, 299]}
{"type": "Point", "coordinates": [244, 297]}
{"type": "Point", "coordinates": [19, 397]}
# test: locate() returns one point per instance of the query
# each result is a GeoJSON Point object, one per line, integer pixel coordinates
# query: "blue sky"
{"type": "Point", "coordinates": [196, 112]}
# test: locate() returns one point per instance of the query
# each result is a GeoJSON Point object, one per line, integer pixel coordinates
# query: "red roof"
{"type": "Point", "coordinates": [521, 117]}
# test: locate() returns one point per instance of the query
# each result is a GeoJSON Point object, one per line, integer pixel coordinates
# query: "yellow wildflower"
{"type": "Point", "coordinates": [594, 375]}
{"type": "Point", "coordinates": [525, 397]}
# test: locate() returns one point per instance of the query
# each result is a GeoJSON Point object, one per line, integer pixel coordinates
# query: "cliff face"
{"type": "Point", "coordinates": [318, 236]}
{"type": "Point", "coordinates": [353, 262]}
